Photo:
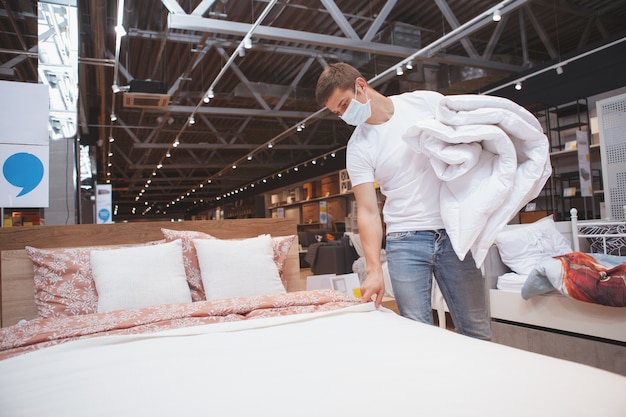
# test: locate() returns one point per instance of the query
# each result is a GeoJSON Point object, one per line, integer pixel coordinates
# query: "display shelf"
{"type": "Point", "coordinates": [564, 120]}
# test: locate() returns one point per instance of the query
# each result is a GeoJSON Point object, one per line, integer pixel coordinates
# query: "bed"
{"type": "Point", "coordinates": [555, 322]}
{"type": "Point", "coordinates": [304, 353]}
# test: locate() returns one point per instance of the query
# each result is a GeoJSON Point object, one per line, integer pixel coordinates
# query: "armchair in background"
{"type": "Point", "coordinates": [334, 256]}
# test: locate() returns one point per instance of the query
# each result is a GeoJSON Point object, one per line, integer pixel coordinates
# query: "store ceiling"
{"type": "Point", "coordinates": [262, 94]}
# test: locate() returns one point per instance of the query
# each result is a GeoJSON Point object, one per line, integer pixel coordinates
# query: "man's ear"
{"type": "Point", "coordinates": [361, 82]}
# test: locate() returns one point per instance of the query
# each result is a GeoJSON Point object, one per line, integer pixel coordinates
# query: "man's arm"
{"type": "Point", "coordinates": [371, 232]}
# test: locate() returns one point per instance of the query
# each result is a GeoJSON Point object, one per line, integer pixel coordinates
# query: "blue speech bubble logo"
{"type": "Point", "coordinates": [104, 214]}
{"type": "Point", "coordinates": [23, 170]}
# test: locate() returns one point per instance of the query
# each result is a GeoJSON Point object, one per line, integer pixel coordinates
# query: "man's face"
{"type": "Point", "coordinates": [339, 100]}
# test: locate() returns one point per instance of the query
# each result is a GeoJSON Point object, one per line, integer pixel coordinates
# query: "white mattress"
{"type": "Point", "coordinates": [353, 362]}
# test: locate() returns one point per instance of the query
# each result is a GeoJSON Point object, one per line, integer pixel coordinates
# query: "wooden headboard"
{"type": "Point", "coordinates": [16, 270]}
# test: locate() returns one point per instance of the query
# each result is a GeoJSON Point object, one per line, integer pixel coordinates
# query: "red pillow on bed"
{"type": "Point", "coordinates": [64, 284]}
{"type": "Point", "coordinates": [280, 244]}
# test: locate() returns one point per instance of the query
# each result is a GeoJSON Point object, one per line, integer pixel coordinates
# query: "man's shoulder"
{"type": "Point", "coordinates": [419, 96]}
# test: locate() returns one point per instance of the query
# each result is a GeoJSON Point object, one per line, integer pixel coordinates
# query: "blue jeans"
{"type": "Point", "coordinates": [414, 257]}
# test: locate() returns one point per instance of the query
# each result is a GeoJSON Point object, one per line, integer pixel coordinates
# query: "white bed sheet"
{"type": "Point", "coordinates": [358, 361]}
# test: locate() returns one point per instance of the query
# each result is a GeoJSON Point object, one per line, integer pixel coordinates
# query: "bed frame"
{"type": "Point", "coordinates": [16, 270]}
{"type": "Point", "coordinates": [554, 324]}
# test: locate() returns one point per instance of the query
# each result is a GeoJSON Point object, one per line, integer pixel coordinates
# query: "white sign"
{"type": "Point", "coordinates": [104, 198]}
{"type": "Point", "coordinates": [23, 113]}
{"type": "Point", "coordinates": [24, 175]}
{"type": "Point", "coordinates": [24, 149]}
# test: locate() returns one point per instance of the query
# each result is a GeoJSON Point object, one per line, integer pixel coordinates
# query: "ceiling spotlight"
{"type": "Point", "coordinates": [333, 154]}
{"type": "Point", "coordinates": [241, 52]}
{"type": "Point", "coordinates": [170, 120]}
{"type": "Point", "coordinates": [111, 139]}
{"type": "Point", "coordinates": [247, 42]}
{"type": "Point", "coordinates": [280, 175]}
{"type": "Point", "coordinates": [496, 16]}
{"type": "Point", "coordinates": [250, 157]}
{"type": "Point", "coordinates": [559, 70]}
{"type": "Point", "coordinates": [160, 166]}
{"type": "Point", "coordinates": [113, 117]}
{"type": "Point", "coordinates": [299, 128]}
{"type": "Point", "coordinates": [206, 99]}
{"type": "Point", "coordinates": [270, 145]}
{"type": "Point", "coordinates": [110, 153]}
{"type": "Point", "coordinates": [296, 169]}
{"type": "Point", "coordinates": [210, 94]}
{"type": "Point", "coordinates": [209, 181]}
{"type": "Point", "coordinates": [399, 70]}
{"type": "Point", "coordinates": [409, 65]}
{"type": "Point", "coordinates": [314, 162]}
{"type": "Point", "coordinates": [168, 155]}
{"type": "Point", "coordinates": [234, 166]}
{"type": "Point", "coordinates": [176, 143]}
{"type": "Point", "coordinates": [115, 88]}
{"type": "Point", "coordinates": [518, 85]}
{"type": "Point", "coordinates": [192, 121]}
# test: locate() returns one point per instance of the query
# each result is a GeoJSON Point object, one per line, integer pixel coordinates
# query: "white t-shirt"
{"type": "Point", "coordinates": [377, 153]}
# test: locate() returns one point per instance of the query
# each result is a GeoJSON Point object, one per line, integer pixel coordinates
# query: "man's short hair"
{"type": "Point", "coordinates": [335, 76]}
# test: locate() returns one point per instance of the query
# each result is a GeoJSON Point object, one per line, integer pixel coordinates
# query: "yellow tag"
{"type": "Point", "coordinates": [357, 292]}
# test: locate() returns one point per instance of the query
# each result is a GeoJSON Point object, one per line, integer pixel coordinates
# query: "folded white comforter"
{"type": "Point", "coordinates": [492, 157]}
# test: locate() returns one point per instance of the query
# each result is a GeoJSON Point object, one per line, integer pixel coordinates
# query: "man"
{"type": "Point", "coordinates": [417, 244]}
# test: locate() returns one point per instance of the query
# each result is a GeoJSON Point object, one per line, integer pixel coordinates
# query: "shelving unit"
{"type": "Point", "coordinates": [563, 190]}
{"type": "Point", "coordinates": [304, 201]}
{"type": "Point", "coordinates": [564, 121]}
{"type": "Point", "coordinates": [22, 217]}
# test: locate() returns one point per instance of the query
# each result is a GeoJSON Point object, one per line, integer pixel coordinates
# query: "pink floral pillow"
{"type": "Point", "coordinates": [64, 284]}
{"type": "Point", "coordinates": [280, 244]}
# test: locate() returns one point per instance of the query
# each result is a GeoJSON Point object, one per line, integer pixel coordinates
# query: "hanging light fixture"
{"type": "Point", "coordinates": [497, 16]}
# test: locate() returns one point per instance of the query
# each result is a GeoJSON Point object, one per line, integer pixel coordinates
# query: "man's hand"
{"type": "Point", "coordinates": [373, 287]}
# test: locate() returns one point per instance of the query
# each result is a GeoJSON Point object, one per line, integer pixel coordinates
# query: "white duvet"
{"type": "Point", "coordinates": [357, 361]}
{"type": "Point", "coordinates": [492, 157]}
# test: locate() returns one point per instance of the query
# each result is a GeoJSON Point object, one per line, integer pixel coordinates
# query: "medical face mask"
{"type": "Point", "coordinates": [357, 113]}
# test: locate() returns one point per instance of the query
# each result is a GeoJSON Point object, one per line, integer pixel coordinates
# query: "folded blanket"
{"type": "Point", "coordinates": [492, 157]}
{"type": "Point", "coordinates": [511, 281]}
{"type": "Point", "coordinates": [590, 277]}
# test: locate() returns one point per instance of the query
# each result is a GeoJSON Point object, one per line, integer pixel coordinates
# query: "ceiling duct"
{"type": "Point", "coordinates": [146, 94]}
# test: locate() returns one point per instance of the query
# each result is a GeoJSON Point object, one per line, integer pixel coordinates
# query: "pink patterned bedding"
{"type": "Point", "coordinates": [44, 332]}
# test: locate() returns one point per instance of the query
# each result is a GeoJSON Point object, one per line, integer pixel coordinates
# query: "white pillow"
{"type": "Point", "coordinates": [522, 248]}
{"type": "Point", "coordinates": [141, 276]}
{"type": "Point", "coordinates": [238, 267]}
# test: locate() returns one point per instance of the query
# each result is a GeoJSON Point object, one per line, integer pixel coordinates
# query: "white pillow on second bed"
{"type": "Point", "coordinates": [522, 248]}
